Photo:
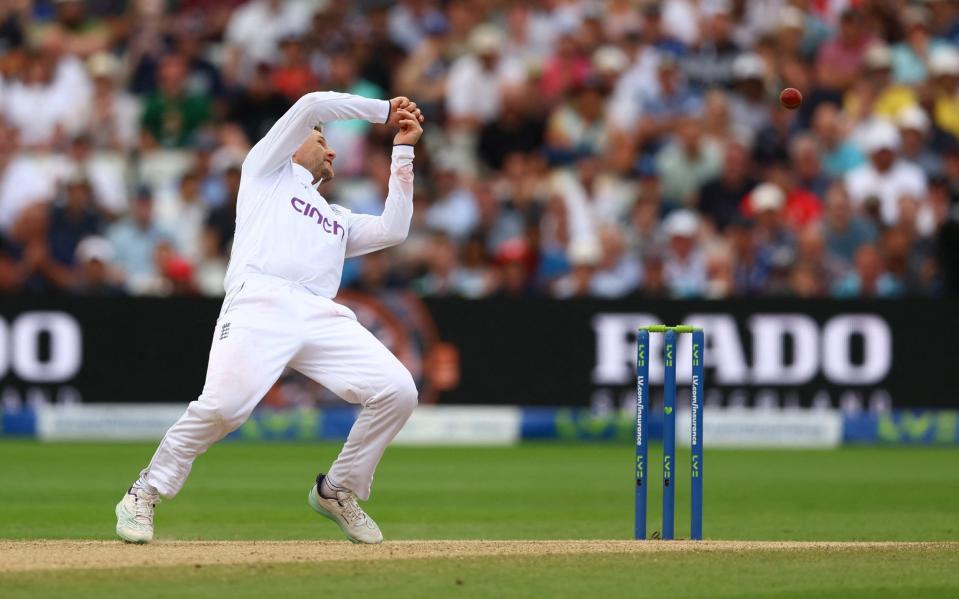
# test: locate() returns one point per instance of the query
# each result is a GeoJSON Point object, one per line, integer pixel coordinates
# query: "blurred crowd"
{"type": "Point", "coordinates": [572, 148]}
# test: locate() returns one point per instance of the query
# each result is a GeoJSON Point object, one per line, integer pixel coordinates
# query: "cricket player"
{"type": "Point", "coordinates": [285, 268]}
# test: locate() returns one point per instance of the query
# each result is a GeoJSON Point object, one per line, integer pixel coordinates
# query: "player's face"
{"type": "Point", "coordinates": [315, 156]}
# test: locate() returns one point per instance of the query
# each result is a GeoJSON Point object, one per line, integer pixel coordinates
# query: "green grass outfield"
{"type": "Point", "coordinates": [243, 492]}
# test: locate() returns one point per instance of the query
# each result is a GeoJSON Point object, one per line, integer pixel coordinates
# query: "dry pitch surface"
{"type": "Point", "coordinates": [27, 556]}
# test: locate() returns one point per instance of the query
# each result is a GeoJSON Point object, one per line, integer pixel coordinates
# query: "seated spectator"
{"type": "Point", "coordinates": [720, 198]}
{"type": "Point", "coordinates": [255, 29]}
{"type": "Point", "coordinates": [94, 272]}
{"type": "Point", "coordinates": [775, 243]}
{"type": "Point", "coordinates": [877, 94]}
{"type": "Point", "coordinates": [844, 229]}
{"type": "Point", "coordinates": [838, 155]}
{"type": "Point", "coordinates": [915, 137]}
{"type": "Point", "coordinates": [684, 264]}
{"type": "Point", "coordinates": [885, 176]}
{"type": "Point", "coordinates": [221, 222]}
{"type": "Point", "coordinates": [75, 30]}
{"type": "Point", "coordinates": [42, 105]}
{"type": "Point", "coordinates": [183, 213]}
{"type": "Point", "coordinates": [111, 117]}
{"type": "Point", "coordinates": [477, 79]}
{"type": "Point", "coordinates": [292, 76]}
{"type": "Point", "coordinates": [135, 239]}
{"type": "Point", "coordinates": [687, 162]}
{"type": "Point", "coordinates": [813, 254]}
{"type": "Point", "coordinates": [566, 70]}
{"type": "Point", "coordinates": [944, 76]}
{"type": "Point", "coordinates": [800, 207]}
{"type": "Point", "coordinates": [661, 107]}
{"type": "Point", "coordinates": [618, 272]}
{"type": "Point", "coordinates": [910, 56]}
{"type": "Point", "coordinates": [709, 62]}
{"type": "Point", "coordinates": [520, 128]}
{"type": "Point", "coordinates": [804, 153]}
{"type": "Point", "coordinates": [840, 58]}
{"type": "Point", "coordinates": [869, 279]}
{"type": "Point", "coordinates": [258, 105]}
{"type": "Point", "coordinates": [104, 172]}
{"type": "Point", "coordinates": [453, 210]}
{"type": "Point", "coordinates": [748, 106]}
{"type": "Point", "coordinates": [749, 274]}
{"type": "Point", "coordinates": [22, 183]}
{"type": "Point", "coordinates": [72, 220]}
{"type": "Point", "coordinates": [172, 115]}
{"type": "Point", "coordinates": [584, 258]}
{"type": "Point", "coordinates": [39, 271]}
{"type": "Point", "coordinates": [660, 33]}
{"type": "Point", "coordinates": [577, 127]}
{"type": "Point", "coordinates": [210, 266]}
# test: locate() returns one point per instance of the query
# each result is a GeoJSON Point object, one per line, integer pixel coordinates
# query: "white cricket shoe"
{"type": "Point", "coordinates": [352, 520]}
{"type": "Point", "coordinates": [135, 515]}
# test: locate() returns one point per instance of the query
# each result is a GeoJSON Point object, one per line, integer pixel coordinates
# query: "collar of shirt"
{"type": "Point", "coordinates": [304, 176]}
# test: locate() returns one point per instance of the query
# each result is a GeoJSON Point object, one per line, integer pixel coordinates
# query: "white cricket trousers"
{"type": "Point", "coordinates": [267, 324]}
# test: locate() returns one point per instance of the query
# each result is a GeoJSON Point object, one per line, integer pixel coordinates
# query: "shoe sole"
{"type": "Point", "coordinates": [137, 541]}
{"type": "Point", "coordinates": [311, 499]}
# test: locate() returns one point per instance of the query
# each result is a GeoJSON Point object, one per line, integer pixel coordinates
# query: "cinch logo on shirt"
{"type": "Point", "coordinates": [304, 208]}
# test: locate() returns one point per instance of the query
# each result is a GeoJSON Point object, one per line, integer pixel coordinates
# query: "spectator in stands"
{"type": "Point", "coordinates": [254, 31]}
{"type": "Point", "coordinates": [135, 239]}
{"type": "Point", "coordinates": [258, 105]}
{"type": "Point", "coordinates": [453, 210]}
{"type": "Point", "coordinates": [94, 273]}
{"type": "Point", "coordinates": [687, 162]}
{"type": "Point", "coordinates": [71, 220]}
{"type": "Point", "coordinates": [720, 198]}
{"type": "Point", "coordinates": [916, 141]}
{"type": "Point", "coordinates": [173, 114]}
{"type": "Point", "coordinates": [111, 116]}
{"type": "Point", "coordinates": [22, 183]}
{"type": "Point", "coordinates": [870, 277]}
{"type": "Point", "coordinates": [221, 222]}
{"type": "Point", "coordinates": [478, 78]}
{"type": "Point", "coordinates": [845, 230]}
{"type": "Point", "coordinates": [684, 265]}
{"type": "Point", "coordinates": [840, 58]}
{"type": "Point", "coordinates": [885, 176]}
{"type": "Point", "coordinates": [838, 154]}
{"type": "Point", "coordinates": [944, 75]}
{"type": "Point", "coordinates": [709, 62]}
{"type": "Point", "coordinates": [182, 212]}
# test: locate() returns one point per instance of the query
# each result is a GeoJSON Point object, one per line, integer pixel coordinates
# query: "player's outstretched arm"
{"type": "Point", "coordinates": [371, 233]}
{"type": "Point", "coordinates": [287, 134]}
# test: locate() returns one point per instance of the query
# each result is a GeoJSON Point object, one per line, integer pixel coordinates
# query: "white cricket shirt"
{"type": "Point", "coordinates": [285, 228]}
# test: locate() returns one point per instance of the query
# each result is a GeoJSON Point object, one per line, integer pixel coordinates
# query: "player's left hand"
{"type": "Point", "coordinates": [410, 128]}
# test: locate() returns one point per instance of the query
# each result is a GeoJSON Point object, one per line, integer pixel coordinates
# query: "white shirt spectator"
{"type": "Point", "coordinates": [22, 183]}
{"type": "Point", "coordinates": [37, 110]}
{"type": "Point", "coordinates": [105, 172]}
{"type": "Point", "coordinates": [681, 20]}
{"type": "Point", "coordinates": [257, 27]}
{"type": "Point", "coordinates": [184, 220]}
{"type": "Point", "coordinates": [455, 214]}
{"type": "Point", "coordinates": [473, 91]}
{"type": "Point", "coordinates": [903, 179]}
{"type": "Point", "coordinates": [620, 280]}
{"type": "Point", "coordinates": [639, 79]}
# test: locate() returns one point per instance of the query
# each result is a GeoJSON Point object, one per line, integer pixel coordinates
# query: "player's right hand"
{"type": "Point", "coordinates": [402, 103]}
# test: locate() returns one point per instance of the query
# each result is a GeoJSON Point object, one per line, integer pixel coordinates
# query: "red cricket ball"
{"type": "Point", "coordinates": [790, 98]}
